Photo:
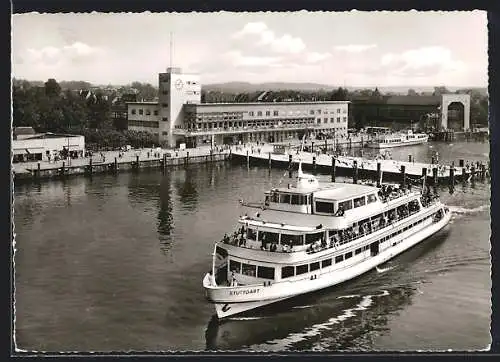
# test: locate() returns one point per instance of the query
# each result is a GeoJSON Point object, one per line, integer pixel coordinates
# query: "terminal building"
{"type": "Point", "coordinates": [180, 117]}
{"type": "Point", "coordinates": [30, 146]}
{"type": "Point", "coordinates": [431, 113]}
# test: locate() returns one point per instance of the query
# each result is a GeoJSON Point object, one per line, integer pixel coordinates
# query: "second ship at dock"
{"type": "Point", "coordinates": [311, 236]}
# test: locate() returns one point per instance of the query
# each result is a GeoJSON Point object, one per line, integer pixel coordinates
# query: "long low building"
{"type": "Point", "coordinates": [46, 146]}
{"type": "Point", "coordinates": [180, 117]}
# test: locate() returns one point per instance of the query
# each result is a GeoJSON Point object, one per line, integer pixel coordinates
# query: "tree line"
{"type": "Point", "coordinates": [62, 107]}
{"type": "Point", "coordinates": [48, 108]}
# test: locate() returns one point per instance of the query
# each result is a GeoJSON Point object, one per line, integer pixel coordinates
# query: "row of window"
{"type": "Point", "coordinates": [251, 270]}
{"type": "Point", "coordinates": [328, 207]}
{"type": "Point", "coordinates": [141, 112]}
{"type": "Point", "coordinates": [311, 112]}
{"type": "Point", "coordinates": [147, 124]}
{"type": "Point", "coordinates": [290, 271]}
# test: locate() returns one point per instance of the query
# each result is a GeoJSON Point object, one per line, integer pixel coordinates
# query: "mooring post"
{"type": "Point", "coordinates": [314, 164]}
{"type": "Point", "coordinates": [333, 169]}
{"type": "Point", "coordinates": [355, 172]}
{"type": "Point", "coordinates": [38, 170]}
{"type": "Point", "coordinates": [248, 159]}
{"type": "Point", "coordinates": [362, 142]}
{"type": "Point", "coordinates": [451, 180]}
{"type": "Point", "coordinates": [137, 162]}
{"type": "Point", "coordinates": [62, 168]}
{"type": "Point", "coordinates": [350, 143]}
{"type": "Point", "coordinates": [409, 158]}
{"type": "Point", "coordinates": [90, 166]}
{"type": "Point", "coordinates": [379, 174]}
{"type": "Point", "coordinates": [312, 147]}
{"type": "Point", "coordinates": [460, 163]}
{"type": "Point", "coordinates": [269, 163]}
{"type": "Point", "coordinates": [290, 166]}
{"type": "Point", "coordinates": [435, 176]}
{"type": "Point", "coordinates": [187, 157]}
{"type": "Point", "coordinates": [116, 165]}
{"type": "Point", "coordinates": [164, 160]}
{"type": "Point", "coordinates": [403, 176]}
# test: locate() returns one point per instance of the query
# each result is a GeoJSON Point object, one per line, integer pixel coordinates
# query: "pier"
{"type": "Point", "coordinates": [113, 163]}
{"type": "Point", "coordinates": [362, 168]}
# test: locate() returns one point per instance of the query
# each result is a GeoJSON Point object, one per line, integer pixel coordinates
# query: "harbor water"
{"type": "Point", "coordinates": [115, 263]}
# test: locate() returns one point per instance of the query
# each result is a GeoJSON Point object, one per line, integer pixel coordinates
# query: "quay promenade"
{"type": "Point", "coordinates": [111, 161]}
{"type": "Point", "coordinates": [358, 166]}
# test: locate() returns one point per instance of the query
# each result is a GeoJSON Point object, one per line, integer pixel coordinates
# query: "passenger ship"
{"type": "Point", "coordinates": [397, 140]}
{"type": "Point", "coordinates": [310, 236]}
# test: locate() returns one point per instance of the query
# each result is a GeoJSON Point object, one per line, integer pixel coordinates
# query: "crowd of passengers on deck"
{"type": "Point", "coordinates": [317, 241]}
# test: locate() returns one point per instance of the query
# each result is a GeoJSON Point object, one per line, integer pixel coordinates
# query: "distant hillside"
{"type": "Point", "coordinates": [246, 87]}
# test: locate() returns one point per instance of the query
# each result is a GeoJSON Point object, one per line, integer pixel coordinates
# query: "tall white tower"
{"type": "Point", "coordinates": [175, 89]}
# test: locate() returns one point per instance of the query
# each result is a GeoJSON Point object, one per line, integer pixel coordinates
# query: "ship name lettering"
{"type": "Point", "coordinates": [243, 292]}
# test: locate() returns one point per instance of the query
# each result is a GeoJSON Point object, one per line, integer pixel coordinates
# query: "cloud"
{"type": "Point", "coordinates": [355, 48]}
{"type": "Point", "coordinates": [285, 44]}
{"type": "Point", "coordinates": [50, 55]}
{"type": "Point", "coordinates": [315, 57]}
{"type": "Point", "coordinates": [237, 59]}
{"type": "Point", "coordinates": [425, 61]}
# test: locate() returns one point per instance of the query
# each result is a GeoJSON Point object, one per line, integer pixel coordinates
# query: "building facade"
{"type": "Point", "coordinates": [44, 146]}
{"type": "Point", "coordinates": [180, 117]}
{"type": "Point", "coordinates": [448, 111]}
{"type": "Point", "coordinates": [233, 123]}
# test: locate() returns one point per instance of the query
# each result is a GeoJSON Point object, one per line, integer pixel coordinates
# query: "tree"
{"type": "Point", "coordinates": [340, 94]}
{"type": "Point", "coordinates": [438, 91]}
{"type": "Point", "coordinates": [412, 92]}
{"type": "Point", "coordinates": [52, 88]}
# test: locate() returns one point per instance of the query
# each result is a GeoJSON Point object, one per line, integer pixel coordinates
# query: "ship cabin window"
{"type": "Point", "coordinates": [285, 198]}
{"type": "Point", "coordinates": [325, 263]}
{"type": "Point", "coordinates": [346, 205]}
{"type": "Point", "coordinates": [235, 266]}
{"type": "Point", "coordinates": [294, 199]}
{"type": "Point", "coordinates": [251, 234]}
{"type": "Point", "coordinates": [312, 238]}
{"type": "Point", "coordinates": [302, 269]}
{"type": "Point", "coordinates": [265, 272]}
{"type": "Point", "coordinates": [287, 271]}
{"type": "Point", "coordinates": [359, 201]}
{"type": "Point", "coordinates": [249, 269]}
{"type": "Point", "coordinates": [348, 255]}
{"type": "Point", "coordinates": [268, 237]}
{"type": "Point", "coordinates": [292, 240]}
{"type": "Point", "coordinates": [324, 207]}
{"type": "Point", "coordinates": [339, 259]}
{"type": "Point", "coordinates": [357, 251]}
{"type": "Point", "coordinates": [371, 198]}
{"type": "Point", "coordinates": [315, 266]}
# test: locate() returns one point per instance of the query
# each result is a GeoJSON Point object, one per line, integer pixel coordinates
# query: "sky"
{"type": "Point", "coordinates": [335, 48]}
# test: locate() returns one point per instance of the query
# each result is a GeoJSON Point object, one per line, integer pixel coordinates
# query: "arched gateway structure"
{"type": "Point", "coordinates": [455, 111]}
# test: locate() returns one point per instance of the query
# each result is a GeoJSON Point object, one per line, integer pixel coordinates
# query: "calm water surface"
{"type": "Point", "coordinates": [115, 263]}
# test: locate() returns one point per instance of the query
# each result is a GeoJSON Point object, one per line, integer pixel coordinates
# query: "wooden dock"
{"type": "Point", "coordinates": [44, 170]}
{"type": "Point", "coordinates": [362, 168]}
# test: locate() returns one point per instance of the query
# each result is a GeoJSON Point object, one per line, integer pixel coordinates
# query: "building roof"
{"type": "Point", "coordinates": [265, 103]}
{"type": "Point", "coordinates": [24, 131]}
{"type": "Point", "coordinates": [414, 100]}
{"type": "Point", "coordinates": [50, 135]}
{"type": "Point", "coordinates": [145, 103]}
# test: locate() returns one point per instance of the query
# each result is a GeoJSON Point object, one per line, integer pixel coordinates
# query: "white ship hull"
{"type": "Point", "coordinates": [234, 300]}
{"type": "Point", "coordinates": [380, 145]}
